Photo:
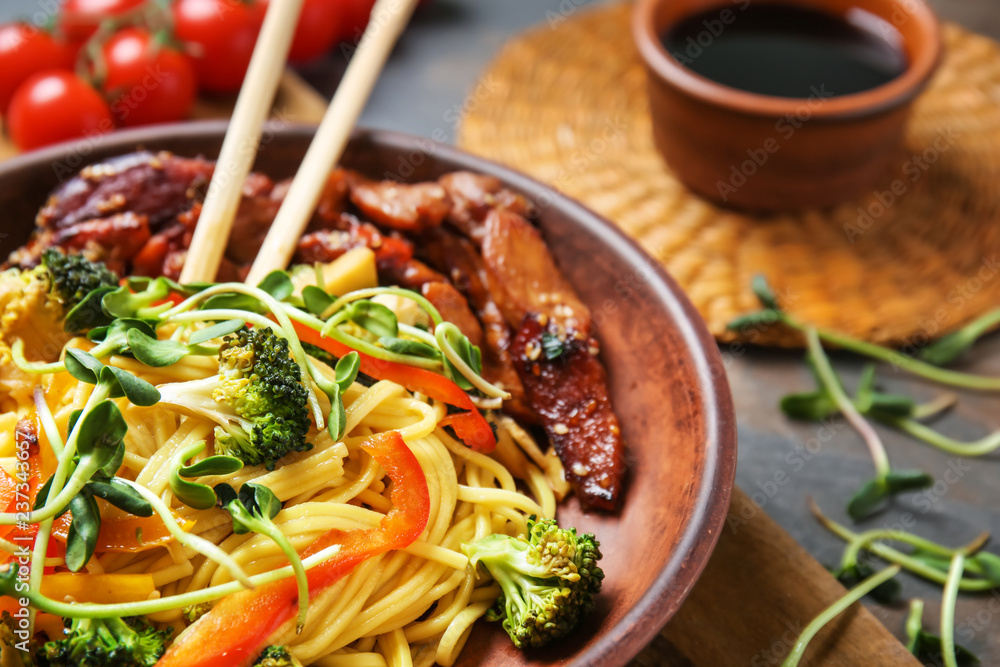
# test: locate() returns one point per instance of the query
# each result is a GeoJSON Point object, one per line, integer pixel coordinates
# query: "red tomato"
{"type": "Point", "coordinates": [355, 14]}
{"type": "Point", "coordinates": [79, 19]}
{"type": "Point", "coordinates": [221, 34]}
{"type": "Point", "coordinates": [147, 82]}
{"type": "Point", "coordinates": [319, 28]}
{"type": "Point", "coordinates": [54, 106]}
{"type": "Point", "coordinates": [26, 50]}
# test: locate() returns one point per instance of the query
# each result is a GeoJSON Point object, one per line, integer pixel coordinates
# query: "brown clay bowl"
{"type": "Point", "coordinates": [761, 152]}
{"type": "Point", "coordinates": [666, 375]}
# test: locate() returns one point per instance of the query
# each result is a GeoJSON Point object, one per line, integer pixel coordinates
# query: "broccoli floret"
{"type": "Point", "coordinates": [34, 303]}
{"type": "Point", "coordinates": [257, 399]}
{"type": "Point", "coordinates": [193, 612]}
{"type": "Point", "coordinates": [72, 277]}
{"type": "Point", "coordinates": [276, 656]}
{"type": "Point", "coordinates": [16, 648]}
{"type": "Point", "coordinates": [548, 579]}
{"type": "Point", "coordinates": [110, 642]}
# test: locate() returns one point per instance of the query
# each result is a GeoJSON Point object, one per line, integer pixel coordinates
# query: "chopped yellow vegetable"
{"type": "Point", "coordinates": [353, 270]}
{"type": "Point", "coordinates": [102, 588]}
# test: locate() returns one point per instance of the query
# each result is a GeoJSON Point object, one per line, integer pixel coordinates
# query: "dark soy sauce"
{"type": "Point", "coordinates": [788, 51]}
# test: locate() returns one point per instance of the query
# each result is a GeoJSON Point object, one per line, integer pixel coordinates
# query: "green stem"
{"type": "Point", "coordinates": [146, 607]}
{"type": "Point", "coordinates": [862, 541]}
{"type": "Point", "coordinates": [65, 457]}
{"type": "Point", "coordinates": [948, 601]}
{"type": "Point", "coordinates": [914, 623]}
{"type": "Point", "coordinates": [902, 361]}
{"type": "Point", "coordinates": [103, 349]}
{"type": "Point", "coordinates": [926, 434]}
{"type": "Point", "coordinates": [934, 406]}
{"type": "Point", "coordinates": [836, 609]}
{"type": "Point", "coordinates": [375, 291]}
{"type": "Point", "coordinates": [419, 334]}
{"type": "Point", "coordinates": [48, 422]}
{"type": "Point", "coordinates": [54, 506]}
{"type": "Point", "coordinates": [898, 557]}
{"type": "Point", "coordinates": [198, 544]}
{"type": "Point", "coordinates": [361, 345]}
{"type": "Point", "coordinates": [271, 531]}
{"type": "Point", "coordinates": [846, 406]}
{"type": "Point", "coordinates": [224, 314]}
{"type": "Point", "coordinates": [276, 309]}
{"type": "Point", "coordinates": [38, 552]}
{"type": "Point", "coordinates": [441, 335]}
{"type": "Point", "coordinates": [58, 496]}
{"type": "Point", "coordinates": [970, 333]}
{"type": "Point", "coordinates": [22, 363]}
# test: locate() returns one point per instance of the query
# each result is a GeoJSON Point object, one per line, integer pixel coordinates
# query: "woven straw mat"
{"type": "Point", "coordinates": [566, 103]}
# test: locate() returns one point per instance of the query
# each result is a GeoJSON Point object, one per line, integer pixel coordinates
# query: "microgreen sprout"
{"type": "Point", "coordinates": [948, 348]}
{"type": "Point", "coordinates": [199, 544]}
{"type": "Point", "coordinates": [834, 610]}
{"type": "Point", "coordinates": [927, 647]}
{"type": "Point", "coordinates": [886, 482]}
{"type": "Point", "coordinates": [772, 313]}
{"type": "Point", "coordinates": [95, 441]}
{"type": "Point", "coordinates": [193, 494]}
{"type": "Point", "coordinates": [926, 557]}
{"type": "Point", "coordinates": [948, 600]}
{"type": "Point", "coordinates": [895, 410]}
{"type": "Point", "coordinates": [253, 510]}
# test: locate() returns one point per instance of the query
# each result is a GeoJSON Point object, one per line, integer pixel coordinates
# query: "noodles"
{"type": "Point", "coordinates": [413, 606]}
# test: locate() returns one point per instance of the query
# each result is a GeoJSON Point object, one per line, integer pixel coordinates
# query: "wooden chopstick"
{"type": "Point", "coordinates": [239, 147]}
{"type": "Point", "coordinates": [388, 19]}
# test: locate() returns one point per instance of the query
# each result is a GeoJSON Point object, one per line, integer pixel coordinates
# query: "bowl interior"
{"type": "Point", "coordinates": [666, 376]}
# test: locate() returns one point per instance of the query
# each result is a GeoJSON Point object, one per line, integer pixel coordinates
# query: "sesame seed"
{"type": "Point", "coordinates": [560, 429]}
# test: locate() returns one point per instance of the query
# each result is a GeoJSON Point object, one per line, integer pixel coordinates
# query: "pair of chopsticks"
{"type": "Point", "coordinates": [239, 148]}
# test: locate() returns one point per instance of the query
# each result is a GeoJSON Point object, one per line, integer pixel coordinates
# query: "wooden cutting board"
{"type": "Point", "coordinates": [760, 587]}
{"type": "Point", "coordinates": [757, 593]}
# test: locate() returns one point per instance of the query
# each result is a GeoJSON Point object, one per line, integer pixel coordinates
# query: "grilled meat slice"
{"type": "Point", "coordinates": [453, 308]}
{"type": "Point", "coordinates": [570, 394]}
{"type": "Point", "coordinates": [523, 277]}
{"type": "Point", "coordinates": [458, 259]}
{"type": "Point", "coordinates": [113, 240]}
{"type": "Point", "coordinates": [406, 207]}
{"type": "Point", "coordinates": [157, 185]}
{"type": "Point", "coordinates": [473, 196]}
{"type": "Point", "coordinates": [555, 356]}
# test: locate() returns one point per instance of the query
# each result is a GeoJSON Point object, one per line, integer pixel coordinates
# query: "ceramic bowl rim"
{"type": "Point", "coordinates": [890, 95]}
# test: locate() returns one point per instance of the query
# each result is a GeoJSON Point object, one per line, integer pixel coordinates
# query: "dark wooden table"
{"type": "Point", "coordinates": [436, 64]}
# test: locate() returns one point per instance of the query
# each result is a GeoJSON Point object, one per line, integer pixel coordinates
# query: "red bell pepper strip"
{"type": "Point", "coordinates": [238, 625]}
{"type": "Point", "coordinates": [8, 492]}
{"type": "Point", "coordinates": [26, 480]}
{"type": "Point", "coordinates": [8, 498]}
{"type": "Point", "coordinates": [471, 427]}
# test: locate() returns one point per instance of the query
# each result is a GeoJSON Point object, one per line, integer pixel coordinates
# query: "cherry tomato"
{"type": "Point", "coordinates": [79, 19]}
{"type": "Point", "coordinates": [146, 81]}
{"type": "Point", "coordinates": [54, 106]}
{"type": "Point", "coordinates": [319, 28]}
{"type": "Point", "coordinates": [354, 18]}
{"type": "Point", "coordinates": [221, 34]}
{"type": "Point", "coordinates": [26, 50]}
